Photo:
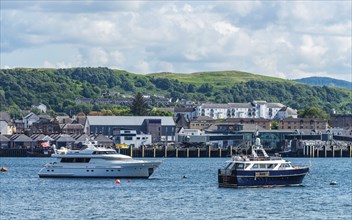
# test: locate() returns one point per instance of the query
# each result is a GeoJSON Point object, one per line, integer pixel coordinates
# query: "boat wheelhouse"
{"type": "Point", "coordinates": [260, 170]}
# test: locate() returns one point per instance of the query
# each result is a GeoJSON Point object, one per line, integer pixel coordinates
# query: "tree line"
{"type": "Point", "coordinates": [59, 88]}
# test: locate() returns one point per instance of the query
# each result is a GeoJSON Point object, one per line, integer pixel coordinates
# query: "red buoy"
{"type": "Point", "coordinates": [128, 181]}
{"type": "Point", "coordinates": [117, 181]}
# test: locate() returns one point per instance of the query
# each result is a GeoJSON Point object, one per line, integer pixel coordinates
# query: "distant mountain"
{"type": "Point", "coordinates": [325, 81]}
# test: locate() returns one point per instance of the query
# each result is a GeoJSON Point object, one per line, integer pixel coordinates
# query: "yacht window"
{"type": "Point", "coordinates": [246, 165]}
{"type": "Point", "coordinates": [75, 160]}
{"type": "Point", "coordinates": [255, 166]}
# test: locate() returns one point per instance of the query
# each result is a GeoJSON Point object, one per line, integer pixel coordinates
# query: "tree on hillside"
{"type": "Point", "coordinates": [313, 112]}
{"type": "Point", "coordinates": [158, 112]}
{"type": "Point", "coordinates": [139, 105]}
{"type": "Point", "coordinates": [274, 125]}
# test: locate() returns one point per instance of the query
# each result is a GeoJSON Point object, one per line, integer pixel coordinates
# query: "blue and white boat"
{"type": "Point", "coordinates": [260, 170]}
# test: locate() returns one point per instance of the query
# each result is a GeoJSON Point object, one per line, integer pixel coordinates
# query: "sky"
{"type": "Point", "coordinates": [286, 39]}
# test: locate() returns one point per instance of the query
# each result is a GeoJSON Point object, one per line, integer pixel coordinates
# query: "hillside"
{"type": "Point", "coordinates": [325, 81]}
{"type": "Point", "coordinates": [217, 78]}
{"type": "Point", "coordinates": [59, 88]}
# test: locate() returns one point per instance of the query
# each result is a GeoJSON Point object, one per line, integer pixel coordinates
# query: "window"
{"type": "Point", "coordinates": [128, 138]}
{"type": "Point", "coordinates": [239, 166]}
{"type": "Point", "coordinates": [75, 160]}
{"type": "Point", "coordinates": [262, 166]}
{"type": "Point", "coordinates": [271, 166]}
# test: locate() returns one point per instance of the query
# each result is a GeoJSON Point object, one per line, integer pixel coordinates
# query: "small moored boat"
{"type": "Point", "coordinates": [260, 170]}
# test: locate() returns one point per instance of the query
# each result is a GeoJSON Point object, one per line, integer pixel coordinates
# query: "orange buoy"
{"type": "Point", "coordinates": [3, 169]}
{"type": "Point", "coordinates": [117, 181]}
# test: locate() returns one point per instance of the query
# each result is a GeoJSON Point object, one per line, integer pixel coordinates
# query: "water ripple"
{"type": "Point", "coordinates": [169, 196]}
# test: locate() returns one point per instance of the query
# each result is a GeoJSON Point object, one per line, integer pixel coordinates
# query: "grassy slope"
{"type": "Point", "coordinates": [218, 78]}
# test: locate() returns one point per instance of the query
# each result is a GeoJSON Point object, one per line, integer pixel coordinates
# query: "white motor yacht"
{"type": "Point", "coordinates": [93, 161]}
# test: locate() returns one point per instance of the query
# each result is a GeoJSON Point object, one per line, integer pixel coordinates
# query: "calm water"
{"type": "Point", "coordinates": [166, 195]}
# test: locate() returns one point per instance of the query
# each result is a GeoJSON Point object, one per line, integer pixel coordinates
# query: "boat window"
{"type": "Point", "coordinates": [75, 160]}
{"type": "Point", "coordinates": [284, 165]}
{"type": "Point", "coordinates": [110, 152]}
{"type": "Point", "coordinates": [271, 166]}
{"type": "Point", "coordinates": [239, 166]}
{"type": "Point", "coordinates": [246, 165]}
{"type": "Point", "coordinates": [255, 166]}
{"type": "Point", "coordinates": [228, 166]}
{"type": "Point", "coordinates": [262, 166]}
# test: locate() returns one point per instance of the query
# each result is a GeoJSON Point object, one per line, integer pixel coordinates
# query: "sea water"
{"type": "Point", "coordinates": [182, 188]}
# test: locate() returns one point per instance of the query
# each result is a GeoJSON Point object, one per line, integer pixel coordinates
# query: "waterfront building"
{"type": "Point", "coordinates": [103, 140]}
{"type": "Point", "coordinates": [304, 123]}
{"type": "Point", "coordinates": [261, 122]}
{"type": "Point", "coordinates": [20, 141]}
{"type": "Point", "coordinates": [201, 122]}
{"type": "Point", "coordinates": [4, 142]}
{"type": "Point", "coordinates": [131, 138]}
{"type": "Point", "coordinates": [161, 128]}
{"type": "Point", "coordinates": [341, 121]}
{"type": "Point", "coordinates": [72, 129]}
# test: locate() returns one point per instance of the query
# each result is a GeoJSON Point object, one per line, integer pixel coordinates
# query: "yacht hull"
{"type": "Point", "coordinates": [123, 171]}
{"type": "Point", "coordinates": [261, 178]}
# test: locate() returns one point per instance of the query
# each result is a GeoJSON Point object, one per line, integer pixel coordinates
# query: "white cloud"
{"type": "Point", "coordinates": [313, 50]}
{"type": "Point", "coordinates": [225, 28]}
{"type": "Point", "coordinates": [142, 67]}
{"type": "Point", "coordinates": [283, 39]}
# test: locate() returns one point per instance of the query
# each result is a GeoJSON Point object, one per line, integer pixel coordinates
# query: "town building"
{"type": "Point", "coordinates": [261, 122]}
{"type": "Point", "coordinates": [44, 125]}
{"type": "Point", "coordinates": [255, 109]}
{"type": "Point", "coordinates": [341, 121]}
{"type": "Point", "coordinates": [201, 122]}
{"type": "Point", "coordinates": [131, 138]}
{"type": "Point", "coordinates": [29, 119]}
{"type": "Point", "coordinates": [161, 128]}
{"type": "Point", "coordinates": [304, 123]}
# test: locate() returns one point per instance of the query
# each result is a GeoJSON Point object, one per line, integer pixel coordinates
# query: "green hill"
{"type": "Point", "coordinates": [59, 88]}
{"type": "Point", "coordinates": [217, 78]}
{"type": "Point", "coordinates": [325, 81]}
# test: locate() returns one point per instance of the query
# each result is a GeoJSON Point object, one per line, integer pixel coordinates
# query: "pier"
{"type": "Point", "coordinates": [197, 152]}
{"type": "Point", "coordinates": [327, 151]}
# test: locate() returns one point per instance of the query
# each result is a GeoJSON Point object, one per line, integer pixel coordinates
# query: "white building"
{"type": "Point", "coordinates": [41, 107]}
{"type": "Point", "coordinates": [130, 137]}
{"type": "Point", "coordinates": [255, 109]}
{"type": "Point", "coordinates": [29, 119]}
{"type": "Point", "coordinates": [5, 128]}
{"type": "Point", "coordinates": [286, 112]}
